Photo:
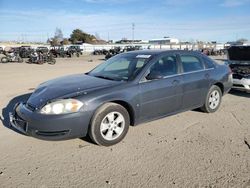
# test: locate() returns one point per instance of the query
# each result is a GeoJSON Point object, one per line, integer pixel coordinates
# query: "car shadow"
{"type": "Point", "coordinates": [87, 139]}
{"type": "Point", "coordinates": [9, 108]}
{"type": "Point", "coordinates": [239, 93]}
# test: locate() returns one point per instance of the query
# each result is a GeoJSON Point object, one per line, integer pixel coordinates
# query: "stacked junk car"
{"type": "Point", "coordinates": [17, 54]}
{"type": "Point", "coordinates": [239, 62]}
{"type": "Point", "coordinates": [11, 57]}
{"type": "Point", "coordinates": [39, 55]}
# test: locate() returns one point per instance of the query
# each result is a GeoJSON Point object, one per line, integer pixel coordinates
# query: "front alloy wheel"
{"type": "Point", "coordinates": [112, 126]}
{"type": "Point", "coordinates": [109, 125]}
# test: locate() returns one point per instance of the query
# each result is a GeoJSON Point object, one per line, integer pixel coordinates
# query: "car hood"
{"type": "Point", "coordinates": [239, 55]}
{"type": "Point", "coordinates": [66, 87]}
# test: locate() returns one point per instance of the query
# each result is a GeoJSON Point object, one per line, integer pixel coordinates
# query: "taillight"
{"type": "Point", "coordinates": [230, 70]}
{"type": "Point", "coordinates": [230, 75]}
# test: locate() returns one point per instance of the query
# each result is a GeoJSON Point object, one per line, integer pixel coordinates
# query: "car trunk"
{"type": "Point", "coordinates": [239, 61]}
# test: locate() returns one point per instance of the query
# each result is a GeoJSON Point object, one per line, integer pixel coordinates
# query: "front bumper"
{"type": "Point", "coordinates": [241, 84]}
{"type": "Point", "coordinates": [49, 127]}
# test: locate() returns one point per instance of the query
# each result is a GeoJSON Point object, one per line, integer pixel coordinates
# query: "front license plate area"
{"type": "Point", "coordinates": [18, 123]}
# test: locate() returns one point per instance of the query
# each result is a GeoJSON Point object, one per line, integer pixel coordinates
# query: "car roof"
{"type": "Point", "coordinates": [158, 52]}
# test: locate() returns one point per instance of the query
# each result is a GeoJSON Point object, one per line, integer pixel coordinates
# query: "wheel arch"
{"type": "Point", "coordinates": [129, 108]}
{"type": "Point", "coordinates": [221, 86]}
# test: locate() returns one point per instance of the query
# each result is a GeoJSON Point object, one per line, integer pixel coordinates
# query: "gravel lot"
{"type": "Point", "coordinates": [191, 149]}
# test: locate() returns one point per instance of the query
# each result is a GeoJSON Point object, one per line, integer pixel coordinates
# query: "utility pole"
{"type": "Point", "coordinates": [133, 32]}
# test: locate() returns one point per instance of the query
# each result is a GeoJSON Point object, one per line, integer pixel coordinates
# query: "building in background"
{"type": "Point", "coordinates": [164, 41]}
{"type": "Point", "coordinates": [128, 41]}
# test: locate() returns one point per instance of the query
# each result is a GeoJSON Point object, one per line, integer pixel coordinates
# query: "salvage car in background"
{"type": "Point", "coordinates": [239, 61]}
{"type": "Point", "coordinates": [128, 89]}
{"type": "Point", "coordinates": [74, 50]}
{"type": "Point", "coordinates": [1, 50]}
{"type": "Point", "coordinates": [42, 49]}
{"type": "Point", "coordinates": [25, 51]}
{"type": "Point", "coordinates": [11, 57]}
{"type": "Point", "coordinates": [57, 51]}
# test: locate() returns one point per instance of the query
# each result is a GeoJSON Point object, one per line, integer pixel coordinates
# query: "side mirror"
{"type": "Point", "coordinates": [154, 75]}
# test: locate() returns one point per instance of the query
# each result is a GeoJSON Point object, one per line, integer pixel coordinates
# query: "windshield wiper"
{"type": "Point", "coordinates": [105, 77]}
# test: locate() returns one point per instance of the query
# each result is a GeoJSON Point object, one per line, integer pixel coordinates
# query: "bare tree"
{"type": "Point", "coordinates": [97, 36]}
{"type": "Point", "coordinates": [58, 37]}
{"type": "Point", "coordinates": [58, 34]}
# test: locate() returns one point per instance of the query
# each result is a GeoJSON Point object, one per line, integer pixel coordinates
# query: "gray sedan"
{"type": "Point", "coordinates": [128, 89]}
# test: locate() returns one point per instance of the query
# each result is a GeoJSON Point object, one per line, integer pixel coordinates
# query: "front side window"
{"type": "Point", "coordinates": [163, 67]}
{"type": "Point", "coordinates": [191, 63]}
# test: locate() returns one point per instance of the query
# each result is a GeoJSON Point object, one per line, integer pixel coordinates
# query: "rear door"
{"type": "Point", "coordinates": [161, 93]}
{"type": "Point", "coordinates": [196, 80]}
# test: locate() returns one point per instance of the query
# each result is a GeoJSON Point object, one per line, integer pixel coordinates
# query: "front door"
{"type": "Point", "coordinates": [161, 89]}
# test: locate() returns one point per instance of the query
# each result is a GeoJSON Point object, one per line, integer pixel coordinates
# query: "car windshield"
{"type": "Point", "coordinates": [123, 67]}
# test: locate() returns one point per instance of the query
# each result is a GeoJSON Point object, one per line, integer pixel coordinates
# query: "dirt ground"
{"type": "Point", "coordinates": [191, 149]}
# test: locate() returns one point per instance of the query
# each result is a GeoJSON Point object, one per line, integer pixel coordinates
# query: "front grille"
{"type": "Point", "coordinates": [237, 76]}
{"type": "Point", "coordinates": [53, 133]}
{"type": "Point", "coordinates": [20, 122]}
{"type": "Point", "coordinates": [238, 85]}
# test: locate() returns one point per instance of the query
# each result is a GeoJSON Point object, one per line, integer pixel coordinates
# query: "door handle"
{"type": "Point", "coordinates": [176, 82]}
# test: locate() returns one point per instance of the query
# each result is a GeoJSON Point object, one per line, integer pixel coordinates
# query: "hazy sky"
{"type": "Point", "coordinates": [220, 20]}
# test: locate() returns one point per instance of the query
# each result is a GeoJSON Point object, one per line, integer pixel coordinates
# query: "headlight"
{"type": "Point", "coordinates": [62, 107]}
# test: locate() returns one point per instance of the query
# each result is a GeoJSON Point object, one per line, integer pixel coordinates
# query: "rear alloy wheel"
{"type": "Point", "coordinates": [213, 100]}
{"type": "Point", "coordinates": [109, 125]}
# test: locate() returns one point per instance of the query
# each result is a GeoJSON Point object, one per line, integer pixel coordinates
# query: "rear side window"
{"type": "Point", "coordinates": [208, 62]}
{"type": "Point", "coordinates": [191, 63]}
{"type": "Point", "coordinates": [164, 66]}
{"type": "Point", "coordinates": [140, 63]}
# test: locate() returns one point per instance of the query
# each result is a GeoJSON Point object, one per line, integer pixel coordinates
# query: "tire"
{"type": "Point", "coordinates": [4, 60]}
{"type": "Point", "coordinates": [20, 60]}
{"type": "Point", "coordinates": [109, 124]}
{"type": "Point", "coordinates": [29, 61]}
{"type": "Point", "coordinates": [40, 62]}
{"type": "Point", "coordinates": [213, 100]}
{"type": "Point", "coordinates": [52, 62]}
{"type": "Point", "coordinates": [77, 55]}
